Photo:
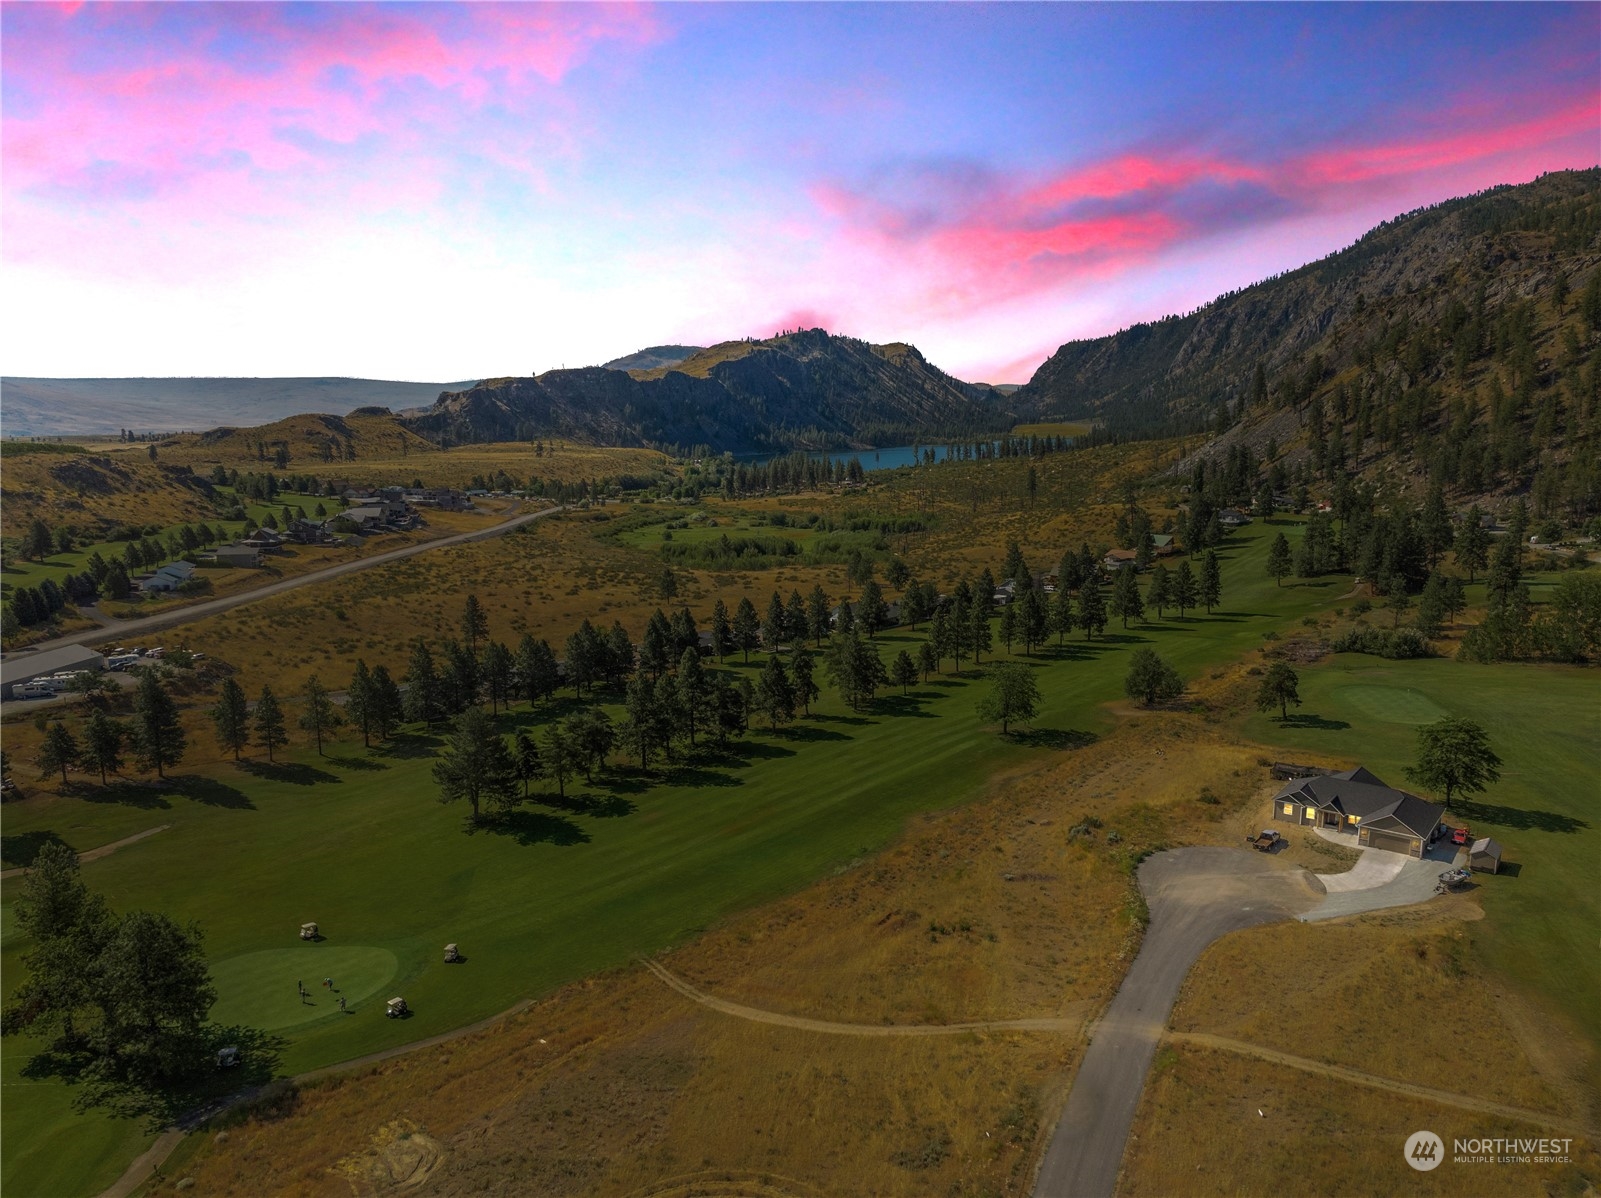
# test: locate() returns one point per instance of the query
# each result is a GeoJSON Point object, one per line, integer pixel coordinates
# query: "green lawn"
{"type": "Point", "coordinates": [1541, 914]}
{"type": "Point", "coordinates": [622, 868]}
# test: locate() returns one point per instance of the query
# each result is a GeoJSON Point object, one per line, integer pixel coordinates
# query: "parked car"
{"type": "Point", "coordinates": [1461, 836]}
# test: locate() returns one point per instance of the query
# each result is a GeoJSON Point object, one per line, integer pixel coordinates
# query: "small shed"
{"type": "Point", "coordinates": [1485, 855]}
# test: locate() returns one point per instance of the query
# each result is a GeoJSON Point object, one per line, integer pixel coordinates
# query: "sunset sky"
{"type": "Point", "coordinates": [445, 192]}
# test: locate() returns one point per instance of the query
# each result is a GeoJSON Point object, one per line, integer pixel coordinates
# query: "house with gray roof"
{"type": "Point", "coordinates": [1357, 803]}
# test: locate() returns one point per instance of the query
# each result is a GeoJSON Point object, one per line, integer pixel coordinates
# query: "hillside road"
{"type": "Point", "coordinates": [125, 630]}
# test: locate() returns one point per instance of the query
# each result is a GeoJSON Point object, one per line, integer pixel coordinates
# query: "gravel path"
{"type": "Point", "coordinates": [1195, 895]}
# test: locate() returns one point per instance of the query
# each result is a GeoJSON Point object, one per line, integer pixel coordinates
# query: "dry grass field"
{"type": "Point", "coordinates": [85, 489]}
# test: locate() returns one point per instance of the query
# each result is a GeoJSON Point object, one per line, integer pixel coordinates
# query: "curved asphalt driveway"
{"type": "Point", "coordinates": [1195, 895]}
{"type": "Point", "coordinates": [128, 629]}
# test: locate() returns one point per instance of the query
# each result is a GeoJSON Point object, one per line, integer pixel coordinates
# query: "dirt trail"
{"type": "Point", "coordinates": [1070, 1023]}
{"type": "Point", "coordinates": [104, 850]}
{"type": "Point", "coordinates": [1357, 1077]}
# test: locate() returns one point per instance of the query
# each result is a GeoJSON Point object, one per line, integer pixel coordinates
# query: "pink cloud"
{"type": "Point", "coordinates": [976, 239]}
{"type": "Point", "coordinates": [241, 109]}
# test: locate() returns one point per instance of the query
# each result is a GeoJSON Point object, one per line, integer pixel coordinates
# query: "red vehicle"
{"type": "Point", "coordinates": [1460, 836]}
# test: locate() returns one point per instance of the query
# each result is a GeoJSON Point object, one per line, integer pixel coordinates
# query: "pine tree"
{"type": "Point", "coordinates": [158, 736]}
{"type": "Point", "coordinates": [231, 716]}
{"type": "Point", "coordinates": [498, 670]}
{"type": "Point", "coordinates": [424, 702]}
{"type": "Point", "coordinates": [927, 660]}
{"type": "Point", "coordinates": [1186, 591]}
{"type": "Point", "coordinates": [103, 739]}
{"type": "Point", "coordinates": [1062, 619]}
{"type": "Point", "coordinates": [1013, 695]}
{"type": "Point", "coordinates": [271, 731]}
{"type": "Point", "coordinates": [817, 607]}
{"type": "Point", "coordinates": [1091, 607]}
{"type": "Point", "coordinates": [1473, 541]}
{"type": "Point", "coordinates": [476, 765]}
{"type": "Point", "coordinates": [360, 701]}
{"type": "Point", "coordinates": [903, 670]}
{"type": "Point", "coordinates": [1008, 625]}
{"type": "Point", "coordinates": [775, 627]}
{"type": "Point", "coordinates": [57, 751]}
{"type": "Point", "coordinates": [388, 707]}
{"type": "Point", "coordinates": [801, 671]}
{"type": "Point", "coordinates": [722, 631]}
{"type": "Point", "coordinates": [1278, 689]}
{"type": "Point", "coordinates": [747, 627]}
{"type": "Point", "coordinates": [1126, 603]}
{"type": "Point", "coordinates": [1279, 563]}
{"type": "Point", "coordinates": [1211, 580]}
{"type": "Point", "coordinates": [526, 753]}
{"type": "Point", "coordinates": [559, 753]}
{"type": "Point", "coordinates": [775, 696]}
{"type": "Point", "coordinates": [1033, 620]}
{"type": "Point", "coordinates": [474, 624]}
{"type": "Point", "coordinates": [978, 631]}
{"type": "Point", "coordinates": [321, 716]}
{"type": "Point", "coordinates": [693, 691]}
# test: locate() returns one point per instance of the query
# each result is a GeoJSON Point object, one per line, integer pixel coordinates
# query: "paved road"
{"type": "Point", "coordinates": [1195, 895]}
{"type": "Point", "coordinates": [130, 629]}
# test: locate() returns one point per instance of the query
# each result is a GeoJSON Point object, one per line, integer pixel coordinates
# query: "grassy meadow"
{"type": "Point", "coordinates": [564, 888]}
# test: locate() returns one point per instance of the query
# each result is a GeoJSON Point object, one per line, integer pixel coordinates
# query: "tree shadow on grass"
{"type": "Point", "coordinates": [843, 719]}
{"type": "Point", "coordinates": [1051, 738]}
{"type": "Point", "coordinates": [535, 827]}
{"type": "Point", "coordinates": [213, 793]}
{"type": "Point", "coordinates": [128, 794]}
{"type": "Point", "coordinates": [1123, 638]}
{"type": "Point", "coordinates": [806, 733]}
{"type": "Point", "coordinates": [1315, 723]}
{"type": "Point", "coordinates": [186, 1102]}
{"type": "Point", "coordinates": [1516, 817]}
{"type": "Point", "coordinates": [758, 750]}
{"type": "Point", "coordinates": [695, 775]}
{"type": "Point", "coordinates": [902, 705]}
{"type": "Point", "coordinates": [294, 772]}
{"type": "Point", "coordinates": [358, 763]}
{"type": "Point", "coordinates": [409, 745]}
{"type": "Point", "coordinates": [20, 850]}
{"type": "Point", "coordinates": [601, 806]}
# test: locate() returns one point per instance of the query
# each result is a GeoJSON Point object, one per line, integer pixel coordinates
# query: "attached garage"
{"type": "Point", "coordinates": [1394, 842]}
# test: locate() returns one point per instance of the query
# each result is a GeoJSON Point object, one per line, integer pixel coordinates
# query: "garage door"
{"type": "Point", "coordinates": [1391, 841]}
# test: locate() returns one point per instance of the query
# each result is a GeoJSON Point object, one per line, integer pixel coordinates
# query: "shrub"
{"type": "Point", "coordinates": [1396, 644]}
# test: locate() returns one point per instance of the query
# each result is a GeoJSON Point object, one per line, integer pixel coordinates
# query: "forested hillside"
{"type": "Point", "coordinates": [1461, 342]}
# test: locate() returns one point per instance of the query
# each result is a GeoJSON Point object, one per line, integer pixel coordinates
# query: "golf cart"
{"type": "Point", "coordinates": [452, 956]}
{"type": "Point", "coordinates": [397, 1009]}
{"type": "Point", "coordinates": [308, 931]}
{"type": "Point", "coordinates": [228, 1058]}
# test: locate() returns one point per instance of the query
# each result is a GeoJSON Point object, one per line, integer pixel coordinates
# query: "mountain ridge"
{"type": "Point", "coordinates": [806, 389]}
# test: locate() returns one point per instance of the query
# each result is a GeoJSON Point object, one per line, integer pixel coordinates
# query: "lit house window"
{"type": "Point", "coordinates": [1311, 813]}
{"type": "Point", "coordinates": [1289, 809]}
{"type": "Point", "coordinates": [1351, 819]}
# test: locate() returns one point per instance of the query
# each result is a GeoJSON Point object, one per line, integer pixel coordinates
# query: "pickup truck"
{"type": "Point", "coordinates": [1265, 840]}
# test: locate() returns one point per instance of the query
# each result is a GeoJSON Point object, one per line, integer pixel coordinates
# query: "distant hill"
{"type": "Point", "coordinates": [314, 442]}
{"type": "Point", "coordinates": [61, 407]}
{"type": "Point", "coordinates": [807, 389]}
{"type": "Point", "coordinates": [653, 357]}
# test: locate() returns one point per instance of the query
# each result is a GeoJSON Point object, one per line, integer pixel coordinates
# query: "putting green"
{"type": "Point", "coordinates": [1392, 704]}
{"type": "Point", "coordinates": [258, 989]}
